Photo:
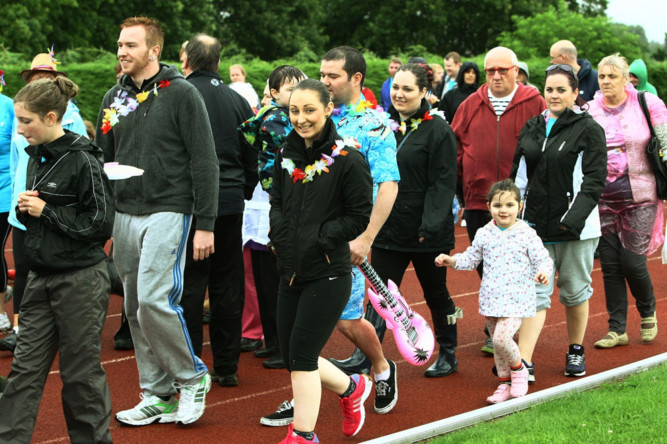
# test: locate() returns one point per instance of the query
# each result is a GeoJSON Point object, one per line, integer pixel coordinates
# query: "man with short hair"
{"type": "Point", "coordinates": [153, 119]}
{"type": "Point", "coordinates": [385, 96]}
{"type": "Point", "coordinates": [343, 70]}
{"type": "Point", "coordinates": [223, 271]}
{"type": "Point", "coordinates": [487, 127]}
{"type": "Point", "coordinates": [563, 52]}
{"type": "Point", "coordinates": [452, 65]}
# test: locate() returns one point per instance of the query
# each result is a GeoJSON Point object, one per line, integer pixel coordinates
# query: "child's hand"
{"type": "Point", "coordinates": [30, 203]}
{"type": "Point", "coordinates": [542, 278]}
{"type": "Point", "coordinates": [445, 261]}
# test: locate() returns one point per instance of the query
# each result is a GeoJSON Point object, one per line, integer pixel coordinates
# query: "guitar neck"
{"type": "Point", "coordinates": [376, 283]}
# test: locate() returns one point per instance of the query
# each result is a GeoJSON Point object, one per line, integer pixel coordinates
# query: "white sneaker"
{"type": "Point", "coordinates": [5, 325]}
{"type": "Point", "coordinates": [150, 410]}
{"type": "Point", "coordinates": [193, 400]}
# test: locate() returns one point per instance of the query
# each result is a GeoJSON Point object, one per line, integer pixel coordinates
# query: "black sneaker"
{"type": "Point", "coordinates": [231, 380]}
{"type": "Point", "coordinates": [575, 365]}
{"type": "Point", "coordinates": [531, 371]}
{"type": "Point", "coordinates": [8, 343]}
{"type": "Point", "coordinates": [386, 392]}
{"type": "Point", "coordinates": [248, 345]}
{"type": "Point", "coordinates": [282, 417]}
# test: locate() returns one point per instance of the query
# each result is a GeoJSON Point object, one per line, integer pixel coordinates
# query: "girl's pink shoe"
{"type": "Point", "coordinates": [519, 382]}
{"type": "Point", "coordinates": [501, 394]}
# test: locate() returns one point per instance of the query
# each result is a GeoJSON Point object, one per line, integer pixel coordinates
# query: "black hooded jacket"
{"type": "Point", "coordinates": [454, 98]}
{"type": "Point", "coordinates": [312, 222]}
{"type": "Point", "coordinates": [78, 216]}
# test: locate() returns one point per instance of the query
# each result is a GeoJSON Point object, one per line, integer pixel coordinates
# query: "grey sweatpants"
{"type": "Point", "coordinates": [149, 252]}
{"type": "Point", "coordinates": [60, 313]}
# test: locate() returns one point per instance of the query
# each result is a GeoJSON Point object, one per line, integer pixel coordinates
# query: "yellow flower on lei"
{"type": "Point", "coordinates": [142, 96]}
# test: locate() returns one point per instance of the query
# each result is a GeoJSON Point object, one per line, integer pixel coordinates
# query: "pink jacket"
{"type": "Point", "coordinates": [629, 119]}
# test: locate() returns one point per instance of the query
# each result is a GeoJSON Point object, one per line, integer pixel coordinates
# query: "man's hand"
{"type": "Point", "coordinates": [29, 203]}
{"type": "Point", "coordinates": [359, 249]}
{"type": "Point", "coordinates": [202, 245]}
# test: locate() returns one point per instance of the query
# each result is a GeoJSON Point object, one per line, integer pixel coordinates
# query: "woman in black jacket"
{"type": "Point", "coordinates": [562, 156]}
{"type": "Point", "coordinates": [467, 82]}
{"type": "Point", "coordinates": [421, 223]}
{"type": "Point", "coordinates": [322, 199]}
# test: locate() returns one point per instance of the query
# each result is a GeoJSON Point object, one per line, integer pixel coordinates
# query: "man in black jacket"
{"type": "Point", "coordinates": [563, 52]}
{"type": "Point", "coordinates": [223, 271]}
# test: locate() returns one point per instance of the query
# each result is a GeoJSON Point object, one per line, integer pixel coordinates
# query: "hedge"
{"type": "Point", "coordinates": [95, 79]}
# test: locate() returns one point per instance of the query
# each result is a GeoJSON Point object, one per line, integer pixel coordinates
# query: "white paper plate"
{"type": "Point", "coordinates": [115, 171]}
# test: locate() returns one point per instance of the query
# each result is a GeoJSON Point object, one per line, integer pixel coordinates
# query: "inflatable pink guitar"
{"type": "Point", "coordinates": [412, 333]}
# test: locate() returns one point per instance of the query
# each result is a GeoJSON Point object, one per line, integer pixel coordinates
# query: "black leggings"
{"type": "Point", "coordinates": [307, 315]}
{"type": "Point", "coordinates": [5, 228]}
{"type": "Point", "coordinates": [20, 267]}
{"type": "Point", "coordinates": [391, 264]}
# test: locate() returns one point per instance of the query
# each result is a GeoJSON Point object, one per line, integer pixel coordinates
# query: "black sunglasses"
{"type": "Point", "coordinates": [566, 68]}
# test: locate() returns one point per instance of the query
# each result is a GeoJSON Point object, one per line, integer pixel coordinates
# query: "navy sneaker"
{"type": "Point", "coordinates": [575, 365]}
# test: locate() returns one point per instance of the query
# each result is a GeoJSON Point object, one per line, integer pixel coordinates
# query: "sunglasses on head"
{"type": "Point", "coordinates": [566, 68]}
{"type": "Point", "coordinates": [501, 71]}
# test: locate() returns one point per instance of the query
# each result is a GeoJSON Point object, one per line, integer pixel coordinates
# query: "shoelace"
{"type": "Point", "coordinates": [382, 388]}
{"type": "Point", "coordinates": [575, 359]}
{"type": "Point", "coordinates": [286, 405]}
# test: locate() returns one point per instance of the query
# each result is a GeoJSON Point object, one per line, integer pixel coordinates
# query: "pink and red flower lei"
{"type": "Point", "coordinates": [319, 166]}
{"type": "Point", "coordinates": [123, 105]}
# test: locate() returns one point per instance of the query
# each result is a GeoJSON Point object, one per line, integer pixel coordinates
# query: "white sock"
{"type": "Point", "coordinates": [382, 376]}
{"type": "Point", "coordinates": [16, 329]}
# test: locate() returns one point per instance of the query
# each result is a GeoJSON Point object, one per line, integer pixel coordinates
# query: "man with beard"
{"type": "Point", "coordinates": [153, 119]}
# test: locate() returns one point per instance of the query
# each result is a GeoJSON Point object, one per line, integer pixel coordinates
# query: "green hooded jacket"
{"type": "Point", "coordinates": [638, 68]}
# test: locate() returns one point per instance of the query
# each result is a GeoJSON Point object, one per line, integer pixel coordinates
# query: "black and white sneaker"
{"type": "Point", "coordinates": [282, 417]}
{"type": "Point", "coordinates": [575, 365]}
{"type": "Point", "coordinates": [386, 392]}
{"type": "Point", "coordinates": [531, 371]}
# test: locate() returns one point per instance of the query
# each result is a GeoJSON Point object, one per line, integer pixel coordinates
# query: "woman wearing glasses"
{"type": "Point", "coordinates": [630, 211]}
{"type": "Point", "coordinates": [561, 164]}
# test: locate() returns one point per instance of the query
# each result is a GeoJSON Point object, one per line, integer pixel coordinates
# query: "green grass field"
{"type": "Point", "coordinates": [632, 410]}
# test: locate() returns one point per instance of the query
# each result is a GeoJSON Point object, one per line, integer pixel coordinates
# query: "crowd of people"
{"type": "Point", "coordinates": [269, 207]}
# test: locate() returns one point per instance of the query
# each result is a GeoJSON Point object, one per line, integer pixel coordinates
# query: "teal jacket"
{"type": "Point", "coordinates": [638, 68]}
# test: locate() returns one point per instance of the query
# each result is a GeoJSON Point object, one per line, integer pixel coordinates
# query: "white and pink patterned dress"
{"type": "Point", "coordinates": [512, 257]}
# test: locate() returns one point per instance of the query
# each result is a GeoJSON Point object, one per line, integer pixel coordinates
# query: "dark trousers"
{"type": "Point", "coordinates": [20, 267]}
{"type": "Point", "coordinates": [267, 278]}
{"type": "Point", "coordinates": [60, 313]}
{"type": "Point", "coordinates": [618, 267]}
{"type": "Point", "coordinates": [476, 219]}
{"type": "Point", "coordinates": [307, 315]}
{"type": "Point", "coordinates": [390, 264]}
{"type": "Point", "coordinates": [223, 274]}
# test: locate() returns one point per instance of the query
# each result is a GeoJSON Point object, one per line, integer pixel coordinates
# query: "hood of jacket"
{"type": "Point", "coordinates": [167, 72]}
{"type": "Point", "coordinates": [459, 78]}
{"type": "Point", "coordinates": [638, 68]}
{"type": "Point", "coordinates": [585, 68]}
{"type": "Point", "coordinates": [68, 142]}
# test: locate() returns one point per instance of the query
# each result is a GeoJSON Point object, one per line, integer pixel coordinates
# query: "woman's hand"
{"type": "Point", "coordinates": [28, 202]}
{"type": "Point", "coordinates": [445, 261]}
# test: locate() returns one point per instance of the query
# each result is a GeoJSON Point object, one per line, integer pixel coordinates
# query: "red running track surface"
{"type": "Point", "coordinates": [232, 414]}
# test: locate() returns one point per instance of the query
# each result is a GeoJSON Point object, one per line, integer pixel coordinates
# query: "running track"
{"type": "Point", "coordinates": [232, 414]}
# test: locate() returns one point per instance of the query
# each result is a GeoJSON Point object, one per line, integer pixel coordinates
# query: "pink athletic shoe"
{"type": "Point", "coordinates": [519, 382]}
{"type": "Point", "coordinates": [501, 394]}
{"type": "Point", "coordinates": [352, 407]}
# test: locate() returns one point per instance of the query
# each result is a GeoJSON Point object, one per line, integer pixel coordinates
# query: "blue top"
{"type": "Point", "coordinates": [371, 130]}
{"type": "Point", "coordinates": [6, 130]}
{"type": "Point", "coordinates": [19, 158]}
{"type": "Point", "coordinates": [550, 124]}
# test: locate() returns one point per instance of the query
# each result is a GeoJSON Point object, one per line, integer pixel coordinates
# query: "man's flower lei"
{"type": "Point", "coordinates": [318, 167]}
{"type": "Point", "coordinates": [414, 123]}
{"type": "Point", "coordinates": [123, 105]}
{"type": "Point", "coordinates": [352, 110]}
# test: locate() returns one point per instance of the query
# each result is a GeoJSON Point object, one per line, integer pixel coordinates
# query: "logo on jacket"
{"type": "Point", "coordinates": [215, 82]}
{"type": "Point", "coordinates": [51, 185]}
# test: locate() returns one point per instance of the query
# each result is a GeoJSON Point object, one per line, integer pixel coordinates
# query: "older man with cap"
{"type": "Point", "coordinates": [43, 66]}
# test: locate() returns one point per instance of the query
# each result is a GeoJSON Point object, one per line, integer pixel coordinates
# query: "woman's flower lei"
{"type": "Point", "coordinates": [123, 105]}
{"type": "Point", "coordinates": [414, 123]}
{"type": "Point", "coordinates": [319, 166]}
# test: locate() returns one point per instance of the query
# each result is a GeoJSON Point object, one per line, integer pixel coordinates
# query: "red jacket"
{"type": "Point", "coordinates": [486, 142]}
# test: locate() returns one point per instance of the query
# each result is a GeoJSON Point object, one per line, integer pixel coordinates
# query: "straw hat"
{"type": "Point", "coordinates": [41, 62]}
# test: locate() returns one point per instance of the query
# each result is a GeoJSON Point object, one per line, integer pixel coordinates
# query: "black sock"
{"type": "Point", "coordinates": [350, 389]}
{"type": "Point", "coordinates": [305, 435]}
{"type": "Point", "coordinates": [577, 349]}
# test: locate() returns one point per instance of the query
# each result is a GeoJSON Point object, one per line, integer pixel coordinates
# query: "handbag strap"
{"type": "Point", "coordinates": [642, 102]}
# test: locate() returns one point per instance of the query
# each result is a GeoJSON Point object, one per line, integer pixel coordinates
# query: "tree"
{"type": "Point", "coordinates": [594, 37]}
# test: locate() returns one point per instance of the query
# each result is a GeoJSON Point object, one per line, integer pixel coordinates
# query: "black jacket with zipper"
{"type": "Point", "coordinates": [78, 216]}
{"type": "Point", "coordinates": [566, 174]}
{"type": "Point", "coordinates": [426, 160]}
{"type": "Point", "coordinates": [312, 222]}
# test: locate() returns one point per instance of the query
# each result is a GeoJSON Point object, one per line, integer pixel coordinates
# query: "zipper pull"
{"type": "Point", "coordinates": [292, 279]}
{"type": "Point", "coordinates": [327, 256]}
{"type": "Point", "coordinates": [569, 201]}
